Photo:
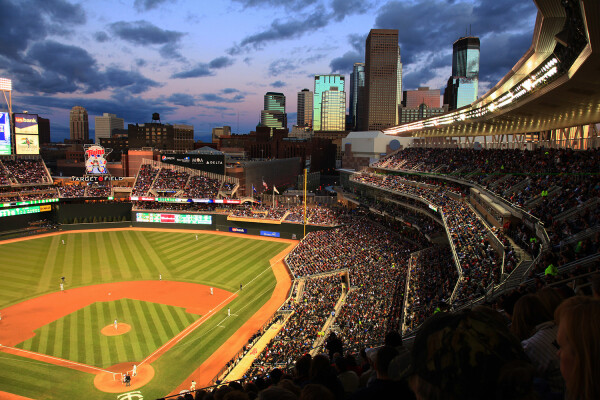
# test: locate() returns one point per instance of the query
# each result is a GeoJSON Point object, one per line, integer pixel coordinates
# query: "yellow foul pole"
{"type": "Point", "coordinates": [305, 173]}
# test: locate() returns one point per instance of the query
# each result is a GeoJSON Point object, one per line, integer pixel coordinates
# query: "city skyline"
{"type": "Point", "coordinates": [210, 67]}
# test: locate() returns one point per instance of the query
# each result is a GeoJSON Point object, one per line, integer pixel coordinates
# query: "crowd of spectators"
{"type": "Point", "coordinates": [545, 181]}
{"type": "Point", "coordinates": [479, 261]}
{"type": "Point", "coordinates": [310, 313]}
{"type": "Point", "coordinates": [27, 171]}
{"type": "Point", "coordinates": [99, 190]}
{"type": "Point", "coordinates": [201, 187]}
{"type": "Point", "coordinates": [68, 191]}
{"type": "Point", "coordinates": [170, 180]}
{"type": "Point", "coordinates": [433, 277]}
{"type": "Point", "coordinates": [145, 177]}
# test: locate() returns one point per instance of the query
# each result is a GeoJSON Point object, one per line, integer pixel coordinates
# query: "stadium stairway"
{"type": "Point", "coordinates": [240, 369]}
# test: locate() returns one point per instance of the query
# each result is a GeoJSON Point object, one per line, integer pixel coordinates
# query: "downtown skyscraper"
{"type": "Point", "coordinates": [357, 84]}
{"type": "Point", "coordinates": [463, 85]}
{"type": "Point", "coordinates": [79, 125]}
{"type": "Point", "coordinates": [305, 108]}
{"type": "Point", "coordinates": [329, 107]}
{"type": "Point", "coordinates": [383, 80]}
{"type": "Point", "coordinates": [273, 115]}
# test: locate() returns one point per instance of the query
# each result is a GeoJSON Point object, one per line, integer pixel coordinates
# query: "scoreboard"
{"type": "Point", "coordinates": [162, 218]}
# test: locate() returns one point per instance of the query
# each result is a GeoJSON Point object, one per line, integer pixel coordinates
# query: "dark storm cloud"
{"type": "Point", "coordinates": [129, 81]}
{"type": "Point", "coordinates": [204, 69]}
{"type": "Point", "coordinates": [60, 11]}
{"type": "Point", "coordinates": [170, 51]}
{"type": "Point", "coordinates": [427, 29]}
{"type": "Point", "coordinates": [101, 36]}
{"type": "Point", "coordinates": [217, 98]}
{"type": "Point", "coordinates": [289, 4]}
{"type": "Point", "coordinates": [218, 108]}
{"type": "Point", "coordinates": [221, 62]}
{"type": "Point", "coordinates": [144, 33]}
{"type": "Point", "coordinates": [500, 53]}
{"type": "Point", "coordinates": [345, 63]}
{"type": "Point", "coordinates": [58, 68]}
{"type": "Point", "coordinates": [278, 84]}
{"type": "Point", "coordinates": [146, 5]}
{"type": "Point", "coordinates": [20, 26]}
{"type": "Point", "coordinates": [132, 109]}
{"type": "Point", "coordinates": [281, 66]}
{"type": "Point", "coordinates": [182, 99]}
{"type": "Point", "coordinates": [67, 64]}
{"type": "Point", "coordinates": [423, 27]}
{"type": "Point", "coordinates": [198, 71]}
{"type": "Point", "coordinates": [280, 30]}
{"type": "Point", "coordinates": [344, 8]}
{"type": "Point", "coordinates": [318, 17]}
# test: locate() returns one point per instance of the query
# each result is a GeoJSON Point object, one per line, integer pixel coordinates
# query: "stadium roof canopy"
{"type": "Point", "coordinates": [205, 150]}
{"type": "Point", "coordinates": [554, 85]}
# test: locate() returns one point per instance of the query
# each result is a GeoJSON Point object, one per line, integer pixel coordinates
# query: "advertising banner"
{"type": "Point", "coordinates": [26, 124]}
{"type": "Point", "coordinates": [4, 134]}
{"type": "Point", "coordinates": [214, 163]}
{"type": "Point", "coordinates": [27, 144]}
{"type": "Point", "coordinates": [195, 219]}
{"type": "Point", "coordinates": [269, 233]}
{"type": "Point", "coordinates": [237, 230]}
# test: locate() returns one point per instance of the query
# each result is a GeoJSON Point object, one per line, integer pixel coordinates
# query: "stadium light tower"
{"type": "Point", "coordinates": [6, 86]}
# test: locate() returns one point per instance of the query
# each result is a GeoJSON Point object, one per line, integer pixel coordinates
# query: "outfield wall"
{"type": "Point", "coordinates": [220, 223]}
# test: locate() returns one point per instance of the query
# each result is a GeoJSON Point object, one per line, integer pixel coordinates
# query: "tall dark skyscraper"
{"type": "Point", "coordinates": [305, 108]}
{"type": "Point", "coordinates": [463, 85]}
{"type": "Point", "coordinates": [274, 115]}
{"type": "Point", "coordinates": [357, 81]}
{"type": "Point", "coordinates": [78, 123]}
{"type": "Point", "coordinates": [383, 80]}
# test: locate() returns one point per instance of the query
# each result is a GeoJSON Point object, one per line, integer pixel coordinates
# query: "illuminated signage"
{"type": "Point", "coordinates": [95, 161]}
{"type": "Point", "coordinates": [26, 124]}
{"type": "Point", "coordinates": [27, 144]}
{"type": "Point", "coordinates": [195, 219]}
{"type": "Point", "coordinates": [237, 230]}
{"type": "Point", "coordinates": [269, 233]}
{"type": "Point", "coordinates": [23, 210]}
{"type": "Point", "coordinates": [4, 134]}
{"type": "Point", "coordinates": [28, 202]}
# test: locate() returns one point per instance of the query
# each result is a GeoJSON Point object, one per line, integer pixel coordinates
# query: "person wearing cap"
{"type": "Point", "coordinates": [469, 355]}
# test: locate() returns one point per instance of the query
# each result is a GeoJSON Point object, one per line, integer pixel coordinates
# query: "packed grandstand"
{"type": "Point", "coordinates": [422, 232]}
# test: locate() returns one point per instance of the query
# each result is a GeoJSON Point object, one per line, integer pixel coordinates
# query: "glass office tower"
{"type": "Point", "coordinates": [325, 83]}
{"type": "Point", "coordinates": [357, 80]}
{"type": "Point", "coordinates": [464, 83]}
{"type": "Point", "coordinates": [274, 115]}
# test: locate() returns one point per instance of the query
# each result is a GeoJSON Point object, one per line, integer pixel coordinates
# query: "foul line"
{"type": "Point", "coordinates": [184, 333]}
{"type": "Point", "coordinates": [62, 360]}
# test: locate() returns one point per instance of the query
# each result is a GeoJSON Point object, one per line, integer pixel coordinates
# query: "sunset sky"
{"type": "Point", "coordinates": [209, 63]}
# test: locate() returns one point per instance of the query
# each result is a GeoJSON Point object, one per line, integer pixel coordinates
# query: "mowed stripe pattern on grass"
{"type": "Point", "coordinates": [77, 336]}
{"type": "Point", "coordinates": [33, 267]}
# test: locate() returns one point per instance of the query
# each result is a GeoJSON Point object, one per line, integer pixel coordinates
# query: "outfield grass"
{"type": "Point", "coordinates": [34, 267]}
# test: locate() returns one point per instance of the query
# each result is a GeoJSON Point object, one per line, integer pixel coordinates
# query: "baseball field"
{"type": "Point", "coordinates": [167, 301]}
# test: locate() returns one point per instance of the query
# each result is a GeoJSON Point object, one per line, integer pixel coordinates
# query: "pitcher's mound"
{"type": "Point", "coordinates": [112, 382]}
{"type": "Point", "coordinates": [109, 330]}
